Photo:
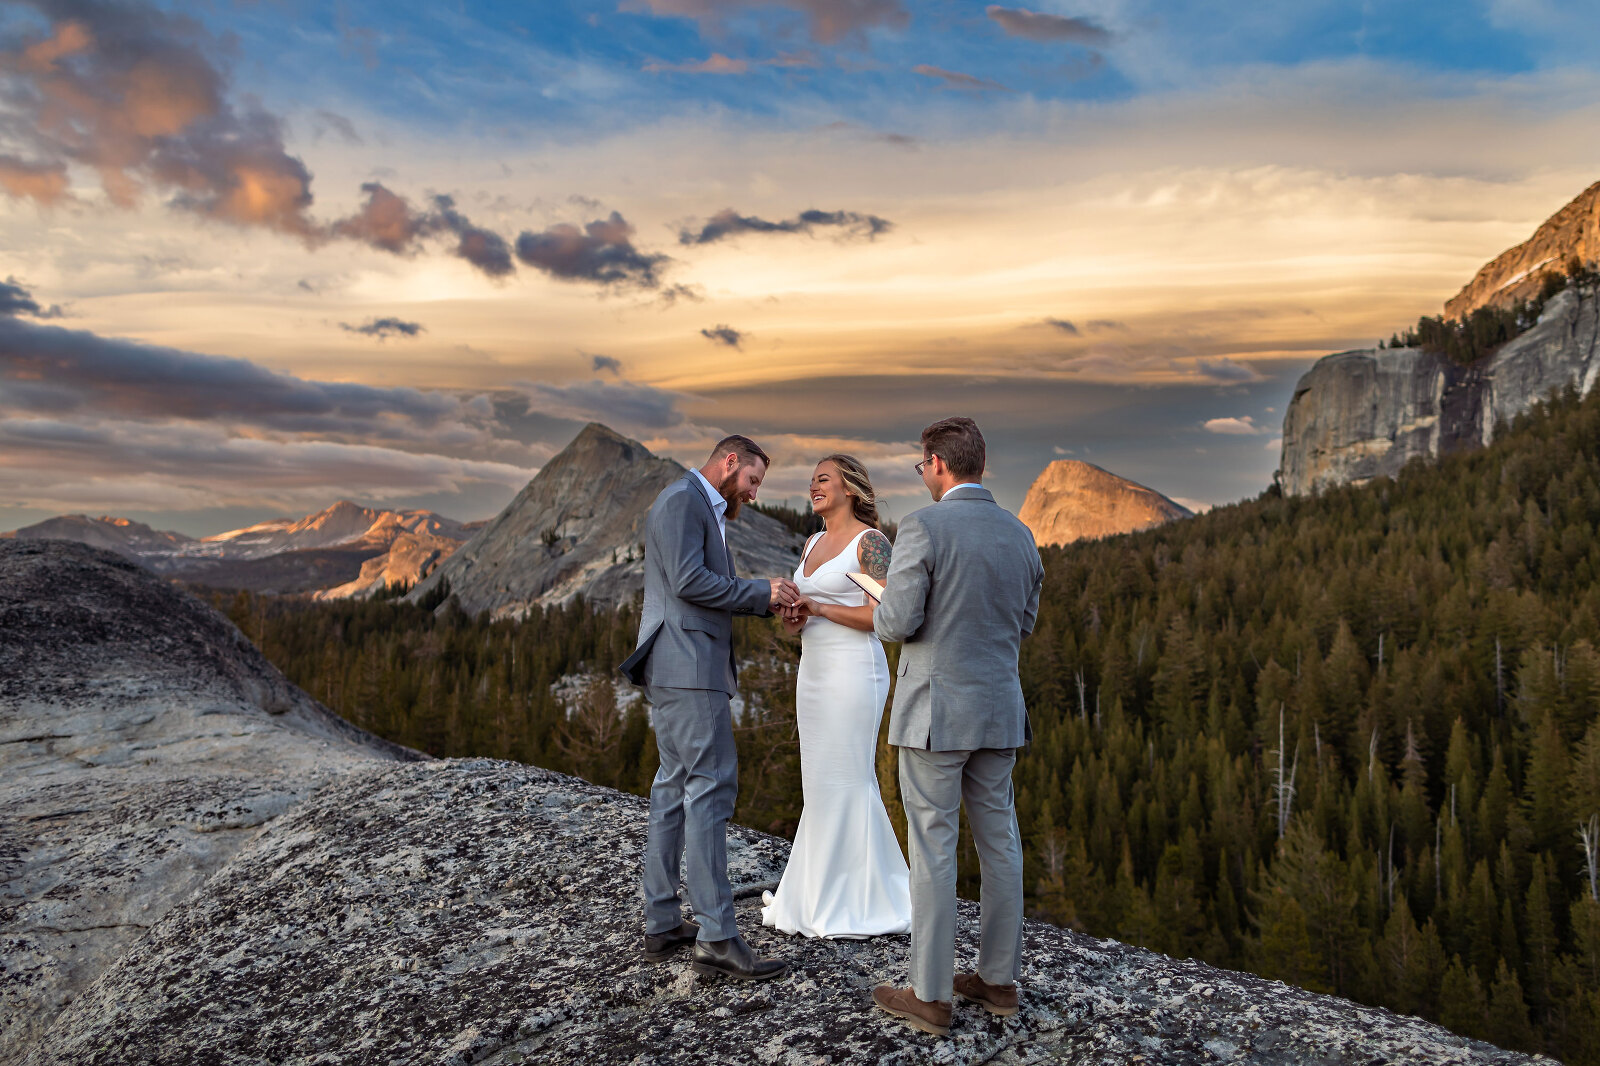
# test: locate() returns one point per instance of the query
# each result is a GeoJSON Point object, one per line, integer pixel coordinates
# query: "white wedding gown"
{"type": "Point", "coordinates": [846, 876]}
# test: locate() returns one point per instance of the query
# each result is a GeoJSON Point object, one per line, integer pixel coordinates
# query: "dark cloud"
{"type": "Point", "coordinates": [606, 363]}
{"type": "Point", "coordinates": [729, 223]}
{"type": "Point", "coordinates": [601, 252]}
{"type": "Point", "coordinates": [15, 299]}
{"type": "Point", "coordinates": [387, 221]}
{"type": "Point", "coordinates": [485, 250]}
{"type": "Point", "coordinates": [828, 20]}
{"type": "Point", "coordinates": [620, 403]}
{"type": "Point", "coordinates": [383, 328]}
{"type": "Point", "coordinates": [1063, 325]}
{"type": "Point", "coordinates": [1226, 371]}
{"type": "Point", "coordinates": [47, 368]}
{"type": "Point", "coordinates": [721, 334]}
{"type": "Point", "coordinates": [956, 80]}
{"type": "Point", "coordinates": [1037, 26]}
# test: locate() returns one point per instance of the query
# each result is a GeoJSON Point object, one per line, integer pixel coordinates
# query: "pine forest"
{"type": "Point", "coordinates": [1348, 741]}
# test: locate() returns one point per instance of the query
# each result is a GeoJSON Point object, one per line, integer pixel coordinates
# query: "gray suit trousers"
{"type": "Point", "coordinates": [933, 785]}
{"type": "Point", "coordinates": [691, 803]}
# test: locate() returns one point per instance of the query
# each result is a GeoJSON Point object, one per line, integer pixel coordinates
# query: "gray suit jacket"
{"type": "Point", "coordinates": [690, 596]}
{"type": "Point", "coordinates": [962, 592]}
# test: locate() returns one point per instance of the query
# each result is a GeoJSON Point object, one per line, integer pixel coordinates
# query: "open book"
{"type": "Point", "coordinates": [868, 585]}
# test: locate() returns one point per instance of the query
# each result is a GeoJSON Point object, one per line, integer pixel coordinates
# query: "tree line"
{"type": "Point", "coordinates": [1349, 741]}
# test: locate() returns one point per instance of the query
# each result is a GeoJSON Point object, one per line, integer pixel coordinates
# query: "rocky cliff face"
{"type": "Point", "coordinates": [1365, 414]}
{"type": "Point", "coordinates": [1516, 274]}
{"type": "Point", "coordinates": [198, 865]}
{"type": "Point", "coordinates": [1071, 500]}
{"type": "Point", "coordinates": [578, 529]}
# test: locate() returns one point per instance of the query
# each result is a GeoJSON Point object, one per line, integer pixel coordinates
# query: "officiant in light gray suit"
{"type": "Point", "coordinates": [961, 593]}
{"type": "Point", "coordinates": [685, 661]}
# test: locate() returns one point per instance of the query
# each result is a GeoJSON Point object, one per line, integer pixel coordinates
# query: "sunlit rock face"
{"type": "Point", "coordinates": [578, 529]}
{"type": "Point", "coordinates": [198, 863]}
{"type": "Point", "coordinates": [1517, 273]}
{"type": "Point", "coordinates": [1071, 500]}
{"type": "Point", "coordinates": [1365, 414]}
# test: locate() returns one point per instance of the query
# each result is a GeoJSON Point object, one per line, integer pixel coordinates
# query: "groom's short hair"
{"type": "Point", "coordinates": [747, 450]}
{"type": "Point", "coordinates": [958, 442]}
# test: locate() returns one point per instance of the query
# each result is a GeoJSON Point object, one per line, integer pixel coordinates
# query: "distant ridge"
{"type": "Point", "coordinates": [1072, 500]}
{"type": "Point", "coordinates": [577, 529]}
{"type": "Point", "coordinates": [344, 550]}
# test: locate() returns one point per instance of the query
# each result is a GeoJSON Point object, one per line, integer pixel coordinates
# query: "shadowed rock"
{"type": "Point", "coordinates": [218, 883]}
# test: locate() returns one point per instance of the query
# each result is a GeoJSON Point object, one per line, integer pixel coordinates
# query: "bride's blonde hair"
{"type": "Point", "coordinates": [857, 485]}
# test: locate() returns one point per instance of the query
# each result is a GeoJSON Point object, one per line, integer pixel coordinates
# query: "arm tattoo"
{"type": "Point", "coordinates": [875, 552]}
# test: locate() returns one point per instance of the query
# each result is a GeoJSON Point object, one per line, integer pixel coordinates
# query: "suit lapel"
{"type": "Point", "coordinates": [699, 491]}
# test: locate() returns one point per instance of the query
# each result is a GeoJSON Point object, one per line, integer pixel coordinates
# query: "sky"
{"type": "Point", "coordinates": [261, 256]}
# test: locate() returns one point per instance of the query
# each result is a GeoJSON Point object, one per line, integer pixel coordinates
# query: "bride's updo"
{"type": "Point", "coordinates": [857, 484]}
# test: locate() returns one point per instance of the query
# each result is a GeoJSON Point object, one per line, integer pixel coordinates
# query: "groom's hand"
{"type": "Point", "coordinates": [784, 592]}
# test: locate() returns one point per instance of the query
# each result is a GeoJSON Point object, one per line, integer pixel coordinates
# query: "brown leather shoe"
{"type": "Point", "coordinates": [658, 947]}
{"type": "Point", "coordinates": [996, 999]}
{"type": "Point", "coordinates": [903, 1003]}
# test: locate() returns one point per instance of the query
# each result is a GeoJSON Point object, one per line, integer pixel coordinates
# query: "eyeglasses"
{"type": "Point", "coordinates": [924, 463]}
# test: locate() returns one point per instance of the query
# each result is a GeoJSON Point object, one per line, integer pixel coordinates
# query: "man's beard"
{"type": "Point", "coordinates": [734, 503]}
{"type": "Point", "coordinates": [729, 492]}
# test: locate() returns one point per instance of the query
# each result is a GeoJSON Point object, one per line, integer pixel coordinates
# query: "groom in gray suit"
{"type": "Point", "coordinates": [962, 592]}
{"type": "Point", "coordinates": [685, 661]}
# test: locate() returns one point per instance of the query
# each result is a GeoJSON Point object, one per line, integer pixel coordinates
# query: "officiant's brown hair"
{"type": "Point", "coordinates": [958, 442]}
{"type": "Point", "coordinates": [857, 485]}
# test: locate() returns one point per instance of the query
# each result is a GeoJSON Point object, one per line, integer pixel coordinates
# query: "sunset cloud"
{"type": "Point", "coordinates": [1039, 26]}
{"type": "Point", "coordinates": [828, 20]}
{"type": "Point", "coordinates": [384, 328]}
{"type": "Point", "coordinates": [601, 252]}
{"type": "Point", "coordinates": [1234, 427]}
{"type": "Point", "coordinates": [721, 334]}
{"type": "Point", "coordinates": [716, 63]}
{"type": "Point", "coordinates": [729, 223]}
{"type": "Point", "coordinates": [954, 79]}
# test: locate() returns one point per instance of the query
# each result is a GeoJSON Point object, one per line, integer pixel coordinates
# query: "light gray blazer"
{"type": "Point", "coordinates": [690, 596]}
{"type": "Point", "coordinates": [962, 592]}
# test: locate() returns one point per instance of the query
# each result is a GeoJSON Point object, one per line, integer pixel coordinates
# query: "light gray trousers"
{"type": "Point", "coordinates": [691, 802]}
{"type": "Point", "coordinates": [933, 785]}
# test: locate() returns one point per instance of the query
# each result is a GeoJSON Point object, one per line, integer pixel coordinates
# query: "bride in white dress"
{"type": "Point", "coordinates": [846, 875]}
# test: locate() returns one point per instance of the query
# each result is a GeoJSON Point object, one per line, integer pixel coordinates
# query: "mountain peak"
{"type": "Point", "coordinates": [1517, 273]}
{"type": "Point", "coordinates": [578, 529]}
{"type": "Point", "coordinates": [1074, 500]}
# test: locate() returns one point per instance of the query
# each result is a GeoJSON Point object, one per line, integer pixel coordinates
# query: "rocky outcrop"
{"type": "Point", "coordinates": [1518, 273]}
{"type": "Point", "coordinates": [196, 865]}
{"type": "Point", "coordinates": [143, 740]}
{"type": "Point", "coordinates": [1072, 500]}
{"type": "Point", "coordinates": [577, 529]}
{"type": "Point", "coordinates": [1364, 414]}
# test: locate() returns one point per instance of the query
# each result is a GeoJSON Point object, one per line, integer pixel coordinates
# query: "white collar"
{"type": "Point", "coordinates": [959, 486]}
{"type": "Point", "coordinates": [718, 503]}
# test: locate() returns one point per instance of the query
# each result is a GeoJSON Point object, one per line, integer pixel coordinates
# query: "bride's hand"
{"type": "Point", "coordinates": [794, 616]}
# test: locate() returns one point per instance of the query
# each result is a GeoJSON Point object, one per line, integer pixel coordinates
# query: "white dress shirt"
{"type": "Point", "coordinates": [718, 504]}
{"type": "Point", "coordinates": [958, 487]}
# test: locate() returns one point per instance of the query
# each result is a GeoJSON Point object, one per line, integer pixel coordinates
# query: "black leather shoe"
{"type": "Point", "coordinates": [658, 947]}
{"type": "Point", "coordinates": [733, 958]}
